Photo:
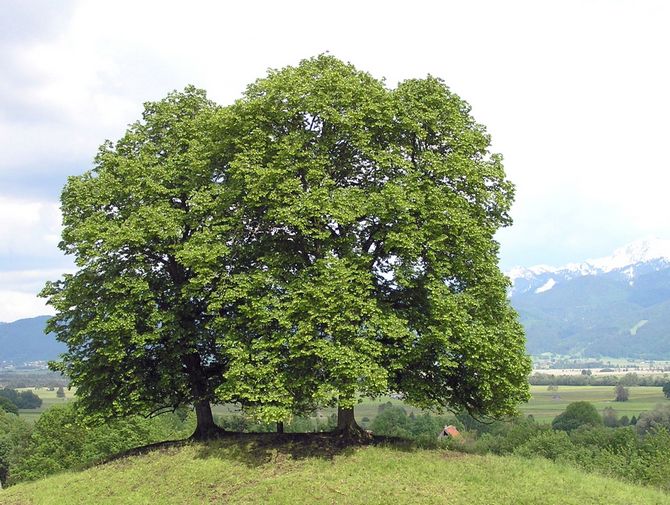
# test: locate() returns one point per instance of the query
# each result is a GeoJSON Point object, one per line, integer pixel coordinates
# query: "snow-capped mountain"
{"type": "Point", "coordinates": [632, 260]}
{"type": "Point", "coordinates": [618, 305]}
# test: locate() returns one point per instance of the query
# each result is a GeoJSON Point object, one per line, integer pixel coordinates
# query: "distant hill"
{"type": "Point", "coordinates": [617, 306]}
{"type": "Point", "coordinates": [24, 341]}
{"type": "Point", "coordinates": [246, 471]}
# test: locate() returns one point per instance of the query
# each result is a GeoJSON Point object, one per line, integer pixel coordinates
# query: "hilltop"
{"type": "Point", "coordinates": [256, 470]}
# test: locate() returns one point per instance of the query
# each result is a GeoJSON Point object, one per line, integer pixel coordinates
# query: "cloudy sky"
{"type": "Point", "coordinates": [574, 93]}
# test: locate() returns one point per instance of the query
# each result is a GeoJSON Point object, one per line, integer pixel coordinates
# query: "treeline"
{"type": "Point", "coordinates": [585, 379]}
{"type": "Point", "coordinates": [20, 399]}
{"type": "Point", "coordinates": [41, 379]}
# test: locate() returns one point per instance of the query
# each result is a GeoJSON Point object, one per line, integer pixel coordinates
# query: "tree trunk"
{"type": "Point", "coordinates": [205, 428]}
{"type": "Point", "coordinates": [280, 426]}
{"type": "Point", "coordinates": [346, 420]}
{"type": "Point", "coordinates": [348, 429]}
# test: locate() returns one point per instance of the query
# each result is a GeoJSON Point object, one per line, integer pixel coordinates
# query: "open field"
{"type": "Point", "coordinates": [544, 405]}
{"type": "Point", "coordinates": [248, 470]}
{"type": "Point", "coordinates": [49, 399]}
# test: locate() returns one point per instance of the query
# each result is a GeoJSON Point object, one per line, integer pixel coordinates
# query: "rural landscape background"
{"type": "Point", "coordinates": [357, 241]}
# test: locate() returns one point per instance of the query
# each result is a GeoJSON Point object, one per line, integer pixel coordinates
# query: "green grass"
{"type": "Point", "coordinates": [255, 470]}
{"type": "Point", "coordinates": [544, 407]}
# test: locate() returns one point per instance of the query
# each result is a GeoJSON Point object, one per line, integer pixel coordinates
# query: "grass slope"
{"type": "Point", "coordinates": [258, 470]}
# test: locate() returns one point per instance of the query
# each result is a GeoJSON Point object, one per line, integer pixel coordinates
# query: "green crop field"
{"type": "Point", "coordinates": [545, 405]}
{"type": "Point", "coordinates": [250, 470]}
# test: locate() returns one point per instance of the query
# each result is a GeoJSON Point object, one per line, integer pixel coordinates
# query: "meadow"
{"type": "Point", "coordinates": [247, 470]}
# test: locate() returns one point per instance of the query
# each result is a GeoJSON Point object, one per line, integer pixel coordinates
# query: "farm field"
{"type": "Point", "coordinates": [49, 399]}
{"type": "Point", "coordinates": [544, 405]}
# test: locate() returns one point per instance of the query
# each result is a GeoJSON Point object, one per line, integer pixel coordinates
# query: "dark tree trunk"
{"type": "Point", "coordinates": [348, 428]}
{"type": "Point", "coordinates": [346, 420]}
{"type": "Point", "coordinates": [280, 426]}
{"type": "Point", "coordinates": [205, 428]}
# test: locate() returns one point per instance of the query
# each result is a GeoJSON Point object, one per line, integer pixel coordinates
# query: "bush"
{"type": "Point", "coordinates": [547, 444]}
{"type": "Point", "coordinates": [393, 422]}
{"type": "Point", "coordinates": [14, 440]}
{"type": "Point", "coordinates": [657, 418]}
{"type": "Point", "coordinates": [61, 440]}
{"type": "Point", "coordinates": [6, 405]}
{"type": "Point", "coordinates": [575, 415]}
{"type": "Point", "coordinates": [23, 399]}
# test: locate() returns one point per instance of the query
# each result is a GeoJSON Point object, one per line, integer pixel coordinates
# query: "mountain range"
{"type": "Point", "coordinates": [24, 341]}
{"type": "Point", "coordinates": [617, 306]}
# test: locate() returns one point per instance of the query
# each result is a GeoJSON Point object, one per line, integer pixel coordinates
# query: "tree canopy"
{"type": "Point", "coordinates": [321, 238]}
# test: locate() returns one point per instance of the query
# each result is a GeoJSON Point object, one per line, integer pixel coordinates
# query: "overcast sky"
{"type": "Point", "coordinates": [576, 95]}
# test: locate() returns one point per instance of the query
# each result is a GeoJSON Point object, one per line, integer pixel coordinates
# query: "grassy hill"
{"type": "Point", "coordinates": [257, 470]}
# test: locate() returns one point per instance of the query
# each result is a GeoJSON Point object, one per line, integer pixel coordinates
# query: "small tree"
{"type": "Point", "coordinates": [8, 406]}
{"type": "Point", "coordinates": [666, 390]}
{"type": "Point", "coordinates": [610, 418]}
{"type": "Point", "coordinates": [621, 393]}
{"type": "Point", "coordinates": [60, 393]}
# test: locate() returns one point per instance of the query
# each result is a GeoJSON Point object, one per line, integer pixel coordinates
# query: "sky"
{"type": "Point", "coordinates": [574, 94]}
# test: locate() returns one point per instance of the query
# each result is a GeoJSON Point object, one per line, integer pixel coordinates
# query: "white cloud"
{"type": "Point", "coordinates": [574, 94]}
{"type": "Point", "coordinates": [28, 229]}
{"type": "Point", "coordinates": [18, 305]}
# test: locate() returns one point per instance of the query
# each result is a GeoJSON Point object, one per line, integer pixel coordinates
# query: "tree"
{"type": "Point", "coordinates": [666, 390]}
{"type": "Point", "coordinates": [575, 415]}
{"type": "Point", "coordinates": [6, 405]}
{"type": "Point", "coordinates": [22, 399]}
{"type": "Point", "coordinates": [372, 265]}
{"type": "Point", "coordinates": [654, 419]}
{"type": "Point", "coordinates": [134, 320]}
{"type": "Point", "coordinates": [621, 393]}
{"type": "Point", "coordinates": [610, 417]}
{"type": "Point", "coordinates": [60, 393]}
{"type": "Point", "coordinates": [322, 238]}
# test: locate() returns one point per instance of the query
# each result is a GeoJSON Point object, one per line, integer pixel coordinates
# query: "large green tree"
{"type": "Point", "coordinates": [135, 323]}
{"type": "Point", "coordinates": [322, 238]}
{"type": "Point", "coordinates": [371, 261]}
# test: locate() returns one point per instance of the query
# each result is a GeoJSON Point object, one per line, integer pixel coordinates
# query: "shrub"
{"type": "Point", "coordinates": [547, 444]}
{"type": "Point", "coordinates": [657, 418]}
{"type": "Point", "coordinates": [575, 415]}
{"type": "Point", "coordinates": [6, 405]}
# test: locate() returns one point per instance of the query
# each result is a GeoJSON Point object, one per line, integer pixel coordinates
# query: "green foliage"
{"type": "Point", "coordinates": [14, 440]}
{"type": "Point", "coordinates": [322, 238]}
{"type": "Point", "coordinates": [6, 405]}
{"type": "Point", "coordinates": [610, 417]}
{"type": "Point", "coordinates": [22, 399]}
{"type": "Point", "coordinates": [550, 444]}
{"type": "Point", "coordinates": [621, 393]}
{"type": "Point", "coordinates": [61, 439]}
{"type": "Point", "coordinates": [134, 317]}
{"type": "Point", "coordinates": [666, 390]}
{"type": "Point", "coordinates": [575, 415]}
{"type": "Point", "coordinates": [657, 418]}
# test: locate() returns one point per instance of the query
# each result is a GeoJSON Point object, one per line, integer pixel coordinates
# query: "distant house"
{"type": "Point", "coordinates": [449, 431]}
